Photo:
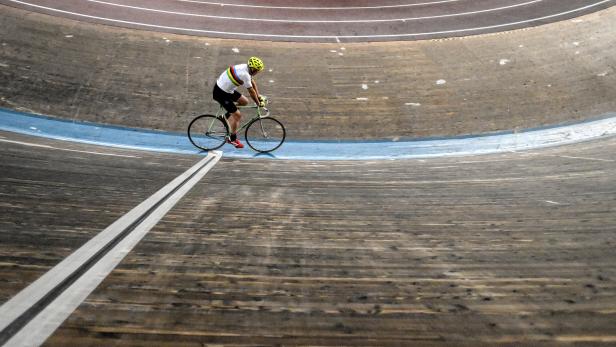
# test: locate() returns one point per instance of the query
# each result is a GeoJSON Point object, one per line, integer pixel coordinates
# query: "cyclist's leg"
{"type": "Point", "coordinates": [234, 123]}
{"type": "Point", "coordinates": [242, 101]}
{"type": "Point", "coordinates": [227, 101]}
{"type": "Point", "coordinates": [236, 117]}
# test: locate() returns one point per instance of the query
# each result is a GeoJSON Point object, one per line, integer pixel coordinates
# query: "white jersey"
{"type": "Point", "coordinates": [234, 77]}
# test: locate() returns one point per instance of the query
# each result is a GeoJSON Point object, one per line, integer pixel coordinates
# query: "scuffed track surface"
{"type": "Point", "coordinates": [56, 196]}
{"type": "Point", "coordinates": [321, 20]}
{"type": "Point", "coordinates": [517, 80]}
{"type": "Point", "coordinates": [515, 248]}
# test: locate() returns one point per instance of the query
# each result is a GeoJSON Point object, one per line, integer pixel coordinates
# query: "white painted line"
{"type": "Point", "coordinates": [251, 19]}
{"type": "Point", "coordinates": [66, 149]}
{"type": "Point", "coordinates": [38, 329]}
{"type": "Point", "coordinates": [317, 8]}
{"type": "Point", "coordinates": [259, 35]}
{"type": "Point", "coordinates": [584, 158]}
{"type": "Point", "coordinates": [602, 127]}
{"type": "Point", "coordinates": [96, 153]}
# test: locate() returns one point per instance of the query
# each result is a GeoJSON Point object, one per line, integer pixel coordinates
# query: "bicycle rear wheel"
{"type": "Point", "coordinates": [265, 134]}
{"type": "Point", "coordinates": [207, 132]}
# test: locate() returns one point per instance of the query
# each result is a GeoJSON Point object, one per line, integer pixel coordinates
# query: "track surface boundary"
{"type": "Point", "coordinates": [171, 142]}
{"type": "Point", "coordinates": [442, 19]}
{"type": "Point", "coordinates": [32, 315]}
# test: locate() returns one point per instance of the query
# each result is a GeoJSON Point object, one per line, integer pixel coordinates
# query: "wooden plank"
{"type": "Point", "coordinates": [464, 251]}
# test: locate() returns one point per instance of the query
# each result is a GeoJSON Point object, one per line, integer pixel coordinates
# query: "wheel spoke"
{"type": "Point", "coordinates": [207, 132]}
{"type": "Point", "coordinates": [265, 134]}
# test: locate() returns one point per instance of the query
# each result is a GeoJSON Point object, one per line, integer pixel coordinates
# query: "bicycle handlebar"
{"type": "Point", "coordinates": [266, 99]}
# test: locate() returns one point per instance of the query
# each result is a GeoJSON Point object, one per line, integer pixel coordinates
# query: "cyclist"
{"type": "Point", "coordinates": [225, 92]}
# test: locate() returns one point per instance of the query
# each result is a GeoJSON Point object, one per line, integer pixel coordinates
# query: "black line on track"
{"type": "Point", "coordinates": [20, 322]}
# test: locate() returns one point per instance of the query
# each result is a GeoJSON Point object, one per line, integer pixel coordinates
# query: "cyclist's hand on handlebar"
{"type": "Point", "coordinates": [262, 101]}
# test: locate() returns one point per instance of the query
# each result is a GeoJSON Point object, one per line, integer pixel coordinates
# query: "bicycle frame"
{"type": "Point", "coordinates": [206, 132]}
{"type": "Point", "coordinates": [261, 112]}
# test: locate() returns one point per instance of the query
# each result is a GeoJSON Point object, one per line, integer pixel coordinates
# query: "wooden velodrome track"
{"type": "Point", "coordinates": [510, 249]}
{"type": "Point", "coordinates": [519, 79]}
{"type": "Point", "coordinates": [513, 249]}
{"type": "Point", "coordinates": [319, 20]}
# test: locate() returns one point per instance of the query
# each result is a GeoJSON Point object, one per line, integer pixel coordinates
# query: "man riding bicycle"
{"type": "Point", "coordinates": [225, 92]}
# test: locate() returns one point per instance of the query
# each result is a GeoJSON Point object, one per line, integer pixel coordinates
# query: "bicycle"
{"type": "Point", "coordinates": [262, 132]}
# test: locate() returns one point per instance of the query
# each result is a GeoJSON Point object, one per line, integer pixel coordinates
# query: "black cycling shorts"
{"type": "Point", "coordinates": [225, 99]}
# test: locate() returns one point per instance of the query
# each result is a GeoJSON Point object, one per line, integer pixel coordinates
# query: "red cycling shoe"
{"type": "Point", "coordinates": [236, 143]}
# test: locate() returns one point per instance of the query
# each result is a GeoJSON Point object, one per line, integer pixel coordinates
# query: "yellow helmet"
{"type": "Point", "coordinates": [256, 63]}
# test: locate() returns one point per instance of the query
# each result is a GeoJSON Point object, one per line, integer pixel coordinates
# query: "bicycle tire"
{"type": "Point", "coordinates": [265, 134]}
{"type": "Point", "coordinates": [207, 132]}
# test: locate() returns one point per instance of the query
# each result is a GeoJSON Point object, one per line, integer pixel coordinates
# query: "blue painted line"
{"type": "Point", "coordinates": [141, 139]}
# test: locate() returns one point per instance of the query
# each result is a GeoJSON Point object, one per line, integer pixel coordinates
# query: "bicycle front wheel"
{"type": "Point", "coordinates": [207, 132]}
{"type": "Point", "coordinates": [265, 134]}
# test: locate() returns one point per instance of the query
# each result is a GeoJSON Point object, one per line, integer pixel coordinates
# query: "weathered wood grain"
{"type": "Point", "coordinates": [550, 74]}
{"type": "Point", "coordinates": [53, 201]}
{"type": "Point", "coordinates": [509, 249]}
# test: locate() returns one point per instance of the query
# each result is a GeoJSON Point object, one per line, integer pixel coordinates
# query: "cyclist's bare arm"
{"type": "Point", "coordinates": [254, 94]}
{"type": "Point", "coordinates": [254, 85]}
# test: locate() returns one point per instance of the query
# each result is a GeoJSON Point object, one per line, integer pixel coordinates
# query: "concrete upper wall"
{"type": "Point", "coordinates": [521, 79]}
